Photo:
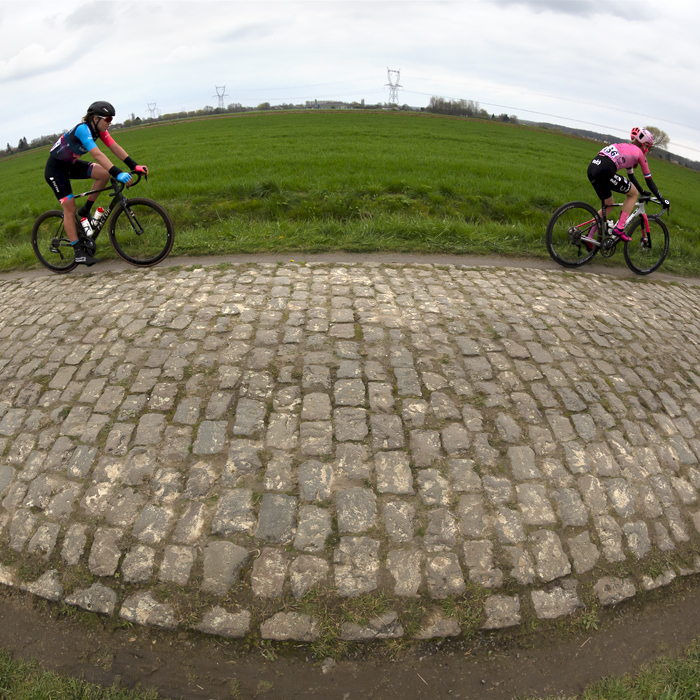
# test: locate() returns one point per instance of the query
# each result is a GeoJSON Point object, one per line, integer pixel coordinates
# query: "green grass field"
{"type": "Point", "coordinates": [305, 182]}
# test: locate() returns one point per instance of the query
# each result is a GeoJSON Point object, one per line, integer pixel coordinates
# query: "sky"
{"type": "Point", "coordinates": [601, 65]}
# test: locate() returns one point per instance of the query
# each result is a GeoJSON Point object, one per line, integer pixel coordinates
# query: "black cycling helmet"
{"type": "Point", "coordinates": [102, 109]}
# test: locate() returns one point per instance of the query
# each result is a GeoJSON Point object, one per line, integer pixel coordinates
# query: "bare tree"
{"type": "Point", "coordinates": [661, 139]}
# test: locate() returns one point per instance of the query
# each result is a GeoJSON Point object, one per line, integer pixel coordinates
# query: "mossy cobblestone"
{"type": "Point", "coordinates": [249, 435]}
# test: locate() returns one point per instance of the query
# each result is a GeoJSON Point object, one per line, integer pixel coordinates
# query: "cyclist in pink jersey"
{"type": "Point", "coordinates": [602, 173]}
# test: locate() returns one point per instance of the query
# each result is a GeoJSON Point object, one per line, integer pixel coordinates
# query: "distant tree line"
{"type": "Point", "coordinates": [465, 108]}
{"type": "Point", "coordinates": [25, 145]}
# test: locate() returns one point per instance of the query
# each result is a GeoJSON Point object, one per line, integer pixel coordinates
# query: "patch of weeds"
{"type": "Point", "coordinates": [333, 540]}
{"type": "Point", "coordinates": [478, 399]}
{"type": "Point", "coordinates": [234, 688]}
{"type": "Point", "coordinates": [364, 608]}
{"type": "Point", "coordinates": [263, 687]}
{"type": "Point", "coordinates": [31, 569]}
{"type": "Point", "coordinates": [413, 617]}
{"type": "Point", "coordinates": [265, 189]}
{"type": "Point", "coordinates": [589, 620]}
{"type": "Point", "coordinates": [8, 557]}
{"type": "Point", "coordinates": [267, 650]}
{"type": "Point", "coordinates": [76, 577]}
{"type": "Point", "coordinates": [468, 610]}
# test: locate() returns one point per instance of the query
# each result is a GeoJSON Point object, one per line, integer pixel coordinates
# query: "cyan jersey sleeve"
{"type": "Point", "coordinates": [85, 137]}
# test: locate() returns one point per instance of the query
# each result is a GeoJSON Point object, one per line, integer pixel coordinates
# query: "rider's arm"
{"type": "Point", "coordinates": [644, 165]}
{"type": "Point", "coordinates": [102, 160]}
{"type": "Point", "coordinates": [652, 186]}
{"type": "Point", "coordinates": [120, 152]}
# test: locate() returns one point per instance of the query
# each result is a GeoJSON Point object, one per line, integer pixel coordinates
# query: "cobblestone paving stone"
{"type": "Point", "coordinates": [248, 432]}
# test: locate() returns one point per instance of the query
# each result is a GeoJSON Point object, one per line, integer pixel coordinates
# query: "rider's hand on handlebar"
{"type": "Point", "coordinates": [142, 169]}
{"type": "Point", "coordinates": [665, 204]}
{"type": "Point", "coordinates": [124, 178]}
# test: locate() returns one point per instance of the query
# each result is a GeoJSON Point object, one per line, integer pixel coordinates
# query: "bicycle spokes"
{"type": "Point", "coordinates": [573, 235]}
{"type": "Point", "coordinates": [50, 242]}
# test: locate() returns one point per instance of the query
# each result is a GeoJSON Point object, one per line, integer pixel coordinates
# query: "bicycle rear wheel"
{"type": "Point", "coordinates": [142, 233]}
{"type": "Point", "coordinates": [50, 242]}
{"type": "Point", "coordinates": [568, 225]}
{"type": "Point", "coordinates": [645, 252]}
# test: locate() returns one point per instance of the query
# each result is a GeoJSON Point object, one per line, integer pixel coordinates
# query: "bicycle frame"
{"type": "Point", "coordinates": [118, 195]}
{"type": "Point", "coordinates": [639, 210]}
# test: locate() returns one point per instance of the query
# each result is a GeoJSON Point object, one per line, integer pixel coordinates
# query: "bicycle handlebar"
{"type": "Point", "coordinates": [119, 186]}
{"type": "Point", "coordinates": [654, 200]}
{"type": "Point", "coordinates": [648, 198]}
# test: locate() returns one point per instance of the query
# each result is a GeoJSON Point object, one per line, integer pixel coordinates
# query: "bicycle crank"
{"type": "Point", "coordinates": [607, 250]}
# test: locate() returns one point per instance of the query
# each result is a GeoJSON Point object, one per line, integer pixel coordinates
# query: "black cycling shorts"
{"type": "Point", "coordinates": [59, 173]}
{"type": "Point", "coordinates": [602, 172]}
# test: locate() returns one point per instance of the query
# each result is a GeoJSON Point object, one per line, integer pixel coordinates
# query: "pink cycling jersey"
{"type": "Point", "coordinates": [627, 155]}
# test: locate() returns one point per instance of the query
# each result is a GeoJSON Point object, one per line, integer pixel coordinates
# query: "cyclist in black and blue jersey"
{"type": "Point", "coordinates": [64, 165]}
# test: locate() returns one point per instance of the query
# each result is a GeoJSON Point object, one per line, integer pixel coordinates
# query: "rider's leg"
{"type": "Point", "coordinates": [627, 208]}
{"type": "Point", "coordinates": [101, 178]}
{"type": "Point", "coordinates": [609, 202]}
{"type": "Point", "coordinates": [69, 211]}
{"type": "Point", "coordinates": [68, 206]}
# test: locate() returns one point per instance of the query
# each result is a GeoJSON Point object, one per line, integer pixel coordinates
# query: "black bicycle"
{"type": "Point", "coordinates": [140, 231]}
{"type": "Point", "coordinates": [577, 232]}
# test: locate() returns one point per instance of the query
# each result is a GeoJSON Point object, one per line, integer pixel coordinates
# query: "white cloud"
{"type": "Point", "coordinates": [597, 62]}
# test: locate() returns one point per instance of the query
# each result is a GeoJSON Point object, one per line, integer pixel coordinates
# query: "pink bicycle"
{"type": "Point", "coordinates": [577, 232]}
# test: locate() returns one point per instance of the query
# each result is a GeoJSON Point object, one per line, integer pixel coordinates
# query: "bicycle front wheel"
{"type": "Point", "coordinates": [141, 232]}
{"type": "Point", "coordinates": [645, 252]}
{"type": "Point", "coordinates": [50, 242]}
{"type": "Point", "coordinates": [570, 233]}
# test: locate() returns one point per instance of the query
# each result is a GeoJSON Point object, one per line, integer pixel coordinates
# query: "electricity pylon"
{"type": "Point", "coordinates": [393, 85]}
{"type": "Point", "coordinates": [221, 95]}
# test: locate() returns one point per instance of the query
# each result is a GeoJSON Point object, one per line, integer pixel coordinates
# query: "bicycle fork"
{"type": "Point", "coordinates": [646, 236]}
{"type": "Point", "coordinates": [138, 229]}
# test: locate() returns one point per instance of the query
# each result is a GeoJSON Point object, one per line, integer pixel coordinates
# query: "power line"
{"type": "Point", "coordinates": [562, 99]}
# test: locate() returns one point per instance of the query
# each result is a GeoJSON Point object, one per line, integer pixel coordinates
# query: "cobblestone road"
{"type": "Point", "coordinates": [244, 433]}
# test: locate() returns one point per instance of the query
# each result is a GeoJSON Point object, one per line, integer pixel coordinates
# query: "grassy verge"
{"type": "Point", "coordinates": [666, 679]}
{"type": "Point", "coordinates": [669, 678]}
{"type": "Point", "coordinates": [353, 181]}
{"type": "Point", "coordinates": [20, 680]}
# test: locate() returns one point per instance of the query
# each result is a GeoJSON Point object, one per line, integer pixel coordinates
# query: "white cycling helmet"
{"type": "Point", "coordinates": [642, 138]}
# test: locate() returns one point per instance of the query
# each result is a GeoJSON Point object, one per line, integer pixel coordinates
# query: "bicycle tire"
{"type": "Point", "coordinates": [564, 230]}
{"type": "Point", "coordinates": [50, 243]}
{"type": "Point", "coordinates": [645, 254]}
{"type": "Point", "coordinates": [155, 241]}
